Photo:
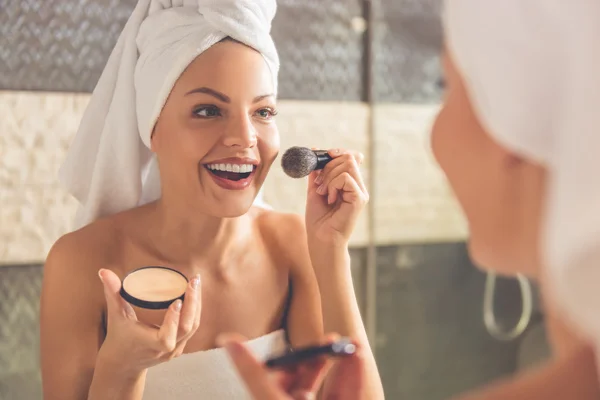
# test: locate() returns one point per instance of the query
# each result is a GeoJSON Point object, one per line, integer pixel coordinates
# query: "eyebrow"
{"type": "Point", "coordinates": [223, 97]}
{"type": "Point", "coordinates": [211, 92]}
{"type": "Point", "coordinates": [264, 96]}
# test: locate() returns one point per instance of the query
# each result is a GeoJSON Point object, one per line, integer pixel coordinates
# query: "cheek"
{"type": "Point", "coordinates": [459, 156]}
{"type": "Point", "coordinates": [447, 148]}
{"type": "Point", "coordinates": [269, 143]}
{"type": "Point", "coordinates": [479, 182]}
{"type": "Point", "coordinates": [437, 137]}
{"type": "Point", "coordinates": [191, 141]}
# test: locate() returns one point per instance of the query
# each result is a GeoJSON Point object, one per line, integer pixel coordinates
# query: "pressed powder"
{"type": "Point", "coordinates": [153, 287]}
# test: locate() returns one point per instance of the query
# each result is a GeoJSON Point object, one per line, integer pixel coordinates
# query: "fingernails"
{"type": "Point", "coordinates": [100, 274]}
{"type": "Point", "coordinates": [334, 151]}
{"type": "Point", "coordinates": [321, 189]}
{"type": "Point", "coordinates": [177, 306]}
{"type": "Point", "coordinates": [319, 179]}
{"type": "Point", "coordinates": [196, 282]}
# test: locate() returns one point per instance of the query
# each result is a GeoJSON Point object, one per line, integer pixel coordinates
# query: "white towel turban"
{"type": "Point", "coordinates": [532, 70]}
{"type": "Point", "coordinates": [109, 167]}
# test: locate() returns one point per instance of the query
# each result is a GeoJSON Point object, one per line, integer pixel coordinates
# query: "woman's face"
{"type": "Point", "coordinates": [216, 137]}
{"type": "Point", "coordinates": [499, 192]}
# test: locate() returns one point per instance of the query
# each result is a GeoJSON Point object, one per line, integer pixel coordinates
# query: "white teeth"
{"type": "Point", "coordinates": [239, 168]}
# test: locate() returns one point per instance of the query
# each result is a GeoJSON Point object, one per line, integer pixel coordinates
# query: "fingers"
{"type": "Point", "coordinates": [358, 156]}
{"type": "Point", "coordinates": [347, 375]}
{"type": "Point", "coordinates": [314, 372]}
{"type": "Point", "coordinates": [254, 374]}
{"type": "Point", "coordinates": [167, 334]}
{"type": "Point", "coordinates": [311, 375]}
{"type": "Point", "coordinates": [189, 319]}
{"type": "Point", "coordinates": [116, 306]}
{"type": "Point", "coordinates": [345, 187]}
{"type": "Point", "coordinates": [345, 162]}
{"type": "Point", "coordinates": [304, 395]}
{"type": "Point", "coordinates": [312, 181]}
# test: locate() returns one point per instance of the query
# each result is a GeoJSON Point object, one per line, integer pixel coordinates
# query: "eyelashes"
{"type": "Point", "coordinates": [207, 111]}
{"type": "Point", "coordinates": [212, 111]}
{"type": "Point", "coordinates": [270, 112]}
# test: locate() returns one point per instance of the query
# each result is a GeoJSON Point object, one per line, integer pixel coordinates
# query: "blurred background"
{"type": "Point", "coordinates": [355, 73]}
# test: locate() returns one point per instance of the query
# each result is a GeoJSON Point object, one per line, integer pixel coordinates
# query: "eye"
{"type": "Point", "coordinates": [207, 112]}
{"type": "Point", "coordinates": [266, 113]}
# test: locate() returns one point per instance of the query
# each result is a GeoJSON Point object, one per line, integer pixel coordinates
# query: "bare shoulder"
{"type": "Point", "coordinates": [285, 231]}
{"type": "Point", "coordinates": [71, 283]}
{"type": "Point", "coordinates": [90, 246]}
{"type": "Point", "coordinates": [72, 309]}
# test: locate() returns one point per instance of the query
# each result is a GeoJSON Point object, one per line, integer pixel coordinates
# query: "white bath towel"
{"type": "Point", "coordinates": [531, 68]}
{"type": "Point", "coordinates": [207, 375]}
{"type": "Point", "coordinates": [109, 167]}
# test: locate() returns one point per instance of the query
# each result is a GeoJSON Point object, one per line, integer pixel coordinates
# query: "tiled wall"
{"type": "Point", "coordinates": [19, 332]}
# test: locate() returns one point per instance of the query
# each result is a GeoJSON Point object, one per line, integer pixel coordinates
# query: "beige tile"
{"type": "Point", "coordinates": [412, 200]}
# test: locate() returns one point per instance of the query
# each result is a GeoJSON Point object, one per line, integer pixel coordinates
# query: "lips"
{"type": "Point", "coordinates": [232, 174]}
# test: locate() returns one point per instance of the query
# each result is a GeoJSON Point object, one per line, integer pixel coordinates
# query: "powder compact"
{"type": "Point", "coordinates": [153, 287]}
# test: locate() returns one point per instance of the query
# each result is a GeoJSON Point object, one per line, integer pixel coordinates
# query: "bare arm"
{"type": "Point", "coordinates": [341, 312]}
{"type": "Point", "coordinates": [323, 298]}
{"type": "Point", "coordinates": [304, 319]}
{"type": "Point", "coordinates": [71, 309]}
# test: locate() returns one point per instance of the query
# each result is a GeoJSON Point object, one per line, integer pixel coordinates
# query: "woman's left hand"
{"type": "Point", "coordinates": [336, 196]}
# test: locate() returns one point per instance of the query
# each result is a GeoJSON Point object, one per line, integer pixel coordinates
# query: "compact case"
{"type": "Point", "coordinates": [153, 287]}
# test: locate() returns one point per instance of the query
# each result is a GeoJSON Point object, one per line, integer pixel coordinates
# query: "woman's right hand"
{"type": "Point", "coordinates": [343, 378]}
{"type": "Point", "coordinates": [134, 346]}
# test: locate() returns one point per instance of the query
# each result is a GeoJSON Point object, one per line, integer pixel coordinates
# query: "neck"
{"type": "Point", "coordinates": [188, 236]}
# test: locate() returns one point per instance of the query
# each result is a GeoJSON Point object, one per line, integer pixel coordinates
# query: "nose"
{"type": "Point", "coordinates": [241, 133]}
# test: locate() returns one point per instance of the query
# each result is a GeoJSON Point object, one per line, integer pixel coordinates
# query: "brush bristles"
{"type": "Point", "coordinates": [298, 162]}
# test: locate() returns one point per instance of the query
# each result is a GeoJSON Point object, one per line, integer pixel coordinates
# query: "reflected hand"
{"type": "Point", "coordinates": [344, 376]}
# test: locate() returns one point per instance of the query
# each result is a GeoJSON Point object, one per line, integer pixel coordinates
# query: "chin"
{"type": "Point", "coordinates": [493, 258]}
{"type": "Point", "coordinates": [232, 207]}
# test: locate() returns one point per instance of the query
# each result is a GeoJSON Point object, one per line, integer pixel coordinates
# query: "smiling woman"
{"type": "Point", "coordinates": [170, 156]}
{"type": "Point", "coordinates": [220, 113]}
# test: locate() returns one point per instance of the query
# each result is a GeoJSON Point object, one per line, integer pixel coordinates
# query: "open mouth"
{"type": "Point", "coordinates": [232, 172]}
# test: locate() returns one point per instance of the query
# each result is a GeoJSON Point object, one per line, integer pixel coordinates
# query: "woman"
{"type": "Point", "coordinates": [172, 151]}
{"type": "Point", "coordinates": [517, 137]}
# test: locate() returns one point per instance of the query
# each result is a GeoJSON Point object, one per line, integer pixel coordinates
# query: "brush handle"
{"type": "Point", "coordinates": [323, 158]}
{"type": "Point", "coordinates": [343, 347]}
